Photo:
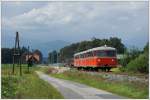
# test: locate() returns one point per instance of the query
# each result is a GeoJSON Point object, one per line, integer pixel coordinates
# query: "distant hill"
{"type": "Point", "coordinates": [44, 47]}
{"type": "Point", "coordinates": [45, 60]}
{"type": "Point", "coordinates": [47, 47]}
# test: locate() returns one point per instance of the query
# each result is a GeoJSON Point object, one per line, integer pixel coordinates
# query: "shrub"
{"type": "Point", "coordinates": [139, 64]}
{"type": "Point", "coordinates": [50, 70]}
{"type": "Point", "coordinates": [122, 69]}
{"type": "Point", "coordinates": [129, 55]}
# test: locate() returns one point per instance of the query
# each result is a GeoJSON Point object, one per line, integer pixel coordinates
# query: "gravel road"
{"type": "Point", "coordinates": [74, 90]}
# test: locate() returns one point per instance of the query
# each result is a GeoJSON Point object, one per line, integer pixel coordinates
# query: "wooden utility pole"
{"type": "Point", "coordinates": [17, 54]}
{"type": "Point", "coordinates": [28, 59]}
{"type": "Point", "coordinates": [52, 58]}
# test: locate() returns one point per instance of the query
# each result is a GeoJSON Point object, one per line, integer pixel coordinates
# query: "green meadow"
{"type": "Point", "coordinates": [27, 86]}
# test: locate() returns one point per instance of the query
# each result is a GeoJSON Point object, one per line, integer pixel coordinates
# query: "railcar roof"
{"type": "Point", "coordinates": [97, 48]}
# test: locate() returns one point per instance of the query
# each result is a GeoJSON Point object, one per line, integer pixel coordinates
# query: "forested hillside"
{"type": "Point", "coordinates": [68, 51]}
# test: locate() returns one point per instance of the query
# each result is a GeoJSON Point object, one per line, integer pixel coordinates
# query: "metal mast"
{"type": "Point", "coordinates": [17, 54]}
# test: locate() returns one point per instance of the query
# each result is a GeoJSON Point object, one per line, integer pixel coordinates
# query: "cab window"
{"type": "Point", "coordinates": [108, 53]}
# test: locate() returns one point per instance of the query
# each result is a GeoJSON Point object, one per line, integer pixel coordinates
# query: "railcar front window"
{"type": "Point", "coordinates": [102, 54]}
{"type": "Point", "coordinates": [106, 53]}
{"type": "Point", "coordinates": [111, 53]}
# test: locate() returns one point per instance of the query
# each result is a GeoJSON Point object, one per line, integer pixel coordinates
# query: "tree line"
{"type": "Point", "coordinates": [136, 60]}
{"type": "Point", "coordinates": [7, 54]}
{"type": "Point", "coordinates": [67, 52]}
{"type": "Point", "coordinates": [53, 57]}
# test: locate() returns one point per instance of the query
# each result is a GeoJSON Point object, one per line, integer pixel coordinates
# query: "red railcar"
{"type": "Point", "coordinates": [100, 57]}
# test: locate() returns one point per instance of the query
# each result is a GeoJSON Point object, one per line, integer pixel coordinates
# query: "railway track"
{"type": "Point", "coordinates": [112, 76]}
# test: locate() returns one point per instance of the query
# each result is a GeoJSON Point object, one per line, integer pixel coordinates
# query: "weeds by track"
{"type": "Point", "coordinates": [118, 76]}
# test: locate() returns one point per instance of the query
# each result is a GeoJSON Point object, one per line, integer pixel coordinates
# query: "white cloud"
{"type": "Point", "coordinates": [67, 13]}
{"type": "Point", "coordinates": [66, 19]}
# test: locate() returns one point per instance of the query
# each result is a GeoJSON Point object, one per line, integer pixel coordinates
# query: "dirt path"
{"type": "Point", "coordinates": [73, 90]}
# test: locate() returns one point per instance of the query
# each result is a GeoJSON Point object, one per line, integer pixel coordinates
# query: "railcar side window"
{"type": "Point", "coordinates": [82, 56]}
{"type": "Point", "coordinates": [75, 57]}
{"type": "Point", "coordinates": [87, 55]}
{"type": "Point", "coordinates": [91, 54]}
{"type": "Point", "coordinates": [95, 53]}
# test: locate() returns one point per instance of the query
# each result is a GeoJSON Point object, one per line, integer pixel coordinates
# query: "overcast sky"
{"type": "Point", "coordinates": [75, 21]}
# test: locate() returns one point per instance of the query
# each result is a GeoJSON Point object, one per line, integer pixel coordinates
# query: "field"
{"type": "Point", "coordinates": [27, 86]}
{"type": "Point", "coordinates": [127, 89]}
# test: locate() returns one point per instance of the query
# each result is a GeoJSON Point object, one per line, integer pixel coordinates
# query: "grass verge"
{"type": "Point", "coordinates": [131, 90]}
{"type": "Point", "coordinates": [27, 86]}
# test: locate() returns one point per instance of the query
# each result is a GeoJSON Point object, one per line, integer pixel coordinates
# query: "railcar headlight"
{"type": "Point", "coordinates": [112, 60]}
{"type": "Point", "coordinates": [99, 60]}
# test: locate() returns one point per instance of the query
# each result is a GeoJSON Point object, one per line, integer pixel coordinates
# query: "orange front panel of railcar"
{"type": "Point", "coordinates": [108, 61]}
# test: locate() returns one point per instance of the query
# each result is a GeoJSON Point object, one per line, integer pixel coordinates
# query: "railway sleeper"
{"type": "Point", "coordinates": [103, 69]}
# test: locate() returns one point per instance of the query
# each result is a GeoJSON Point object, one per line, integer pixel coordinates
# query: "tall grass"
{"type": "Point", "coordinates": [27, 86]}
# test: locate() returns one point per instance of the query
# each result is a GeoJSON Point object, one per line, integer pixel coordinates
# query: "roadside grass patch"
{"type": "Point", "coordinates": [33, 87]}
{"type": "Point", "coordinates": [27, 86]}
{"type": "Point", "coordinates": [9, 86]}
{"type": "Point", "coordinates": [128, 89]}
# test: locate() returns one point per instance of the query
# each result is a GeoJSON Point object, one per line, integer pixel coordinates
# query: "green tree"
{"type": "Point", "coordinates": [129, 55]}
{"type": "Point", "coordinates": [137, 61]}
{"type": "Point", "coordinates": [6, 55]}
{"type": "Point", "coordinates": [50, 57]}
{"type": "Point", "coordinates": [146, 48]}
{"type": "Point", "coordinates": [96, 42]}
{"type": "Point", "coordinates": [53, 57]}
{"type": "Point", "coordinates": [84, 45]}
{"type": "Point", "coordinates": [139, 64]}
{"type": "Point", "coordinates": [116, 42]}
{"type": "Point", "coordinates": [68, 51]}
{"type": "Point", "coordinates": [24, 49]}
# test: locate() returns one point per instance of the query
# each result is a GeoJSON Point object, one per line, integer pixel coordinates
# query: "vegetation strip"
{"type": "Point", "coordinates": [28, 86]}
{"type": "Point", "coordinates": [131, 90]}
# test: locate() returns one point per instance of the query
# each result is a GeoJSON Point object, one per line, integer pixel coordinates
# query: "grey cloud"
{"type": "Point", "coordinates": [75, 21]}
